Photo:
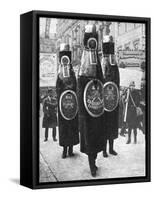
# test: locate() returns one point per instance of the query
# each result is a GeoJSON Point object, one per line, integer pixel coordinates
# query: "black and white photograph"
{"type": "Point", "coordinates": [92, 109]}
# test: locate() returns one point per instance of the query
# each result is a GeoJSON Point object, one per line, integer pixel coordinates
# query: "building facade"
{"type": "Point", "coordinates": [130, 44]}
{"type": "Point", "coordinates": [72, 32]}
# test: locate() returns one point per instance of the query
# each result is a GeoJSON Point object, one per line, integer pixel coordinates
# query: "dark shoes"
{"type": "Point", "coordinates": [113, 152]}
{"type": "Point", "coordinates": [54, 139]}
{"type": "Point", "coordinates": [105, 155]}
{"type": "Point", "coordinates": [70, 152]}
{"type": "Point", "coordinates": [128, 141]}
{"type": "Point", "coordinates": [45, 140]}
{"type": "Point", "coordinates": [64, 154]}
{"type": "Point", "coordinates": [93, 173]}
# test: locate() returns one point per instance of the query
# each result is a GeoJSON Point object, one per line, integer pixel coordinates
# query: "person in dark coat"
{"type": "Point", "coordinates": [90, 125]}
{"type": "Point", "coordinates": [111, 74]}
{"type": "Point", "coordinates": [66, 81]}
{"type": "Point", "coordinates": [122, 106]}
{"type": "Point", "coordinates": [133, 100]}
{"type": "Point", "coordinates": [50, 114]}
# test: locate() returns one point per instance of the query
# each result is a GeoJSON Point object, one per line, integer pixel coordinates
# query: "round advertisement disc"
{"type": "Point", "coordinates": [68, 104]}
{"type": "Point", "coordinates": [94, 98]}
{"type": "Point", "coordinates": [111, 96]}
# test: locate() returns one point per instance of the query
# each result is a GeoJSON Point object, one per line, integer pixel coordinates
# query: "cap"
{"type": "Point", "coordinates": [108, 45]}
{"type": "Point", "coordinates": [107, 38]}
{"type": "Point", "coordinates": [90, 34]}
{"type": "Point", "coordinates": [64, 47]}
{"type": "Point", "coordinates": [90, 28]}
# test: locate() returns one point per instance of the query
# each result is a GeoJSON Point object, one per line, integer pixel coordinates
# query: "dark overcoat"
{"type": "Point", "coordinates": [111, 119]}
{"type": "Point", "coordinates": [91, 128]}
{"type": "Point", "coordinates": [50, 112]}
{"type": "Point", "coordinates": [132, 118]}
{"type": "Point", "coordinates": [68, 129]}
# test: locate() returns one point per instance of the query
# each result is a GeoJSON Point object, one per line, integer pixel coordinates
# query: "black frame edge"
{"type": "Point", "coordinates": [26, 99]}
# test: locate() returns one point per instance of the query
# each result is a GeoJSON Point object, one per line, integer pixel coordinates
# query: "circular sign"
{"type": "Point", "coordinates": [94, 98]}
{"type": "Point", "coordinates": [65, 60]}
{"type": "Point", "coordinates": [68, 104]}
{"type": "Point", "coordinates": [111, 96]}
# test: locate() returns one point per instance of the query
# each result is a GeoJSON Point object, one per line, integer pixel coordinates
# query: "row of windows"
{"type": "Point", "coordinates": [126, 27]}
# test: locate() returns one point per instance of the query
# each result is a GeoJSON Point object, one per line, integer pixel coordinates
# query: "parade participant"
{"type": "Point", "coordinates": [111, 94]}
{"type": "Point", "coordinates": [90, 98]}
{"type": "Point", "coordinates": [50, 114]}
{"type": "Point", "coordinates": [67, 103]}
{"type": "Point", "coordinates": [132, 102]}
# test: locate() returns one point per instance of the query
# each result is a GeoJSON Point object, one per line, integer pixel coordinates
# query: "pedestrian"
{"type": "Point", "coordinates": [50, 114]}
{"type": "Point", "coordinates": [122, 106]}
{"type": "Point", "coordinates": [67, 103]}
{"type": "Point", "coordinates": [112, 80]}
{"type": "Point", "coordinates": [131, 119]}
{"type": "Point", "coordinates": [90, 98]}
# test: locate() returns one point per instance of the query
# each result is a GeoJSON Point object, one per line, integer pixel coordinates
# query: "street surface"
{"type": "Point", "coordinates": [130, 161]}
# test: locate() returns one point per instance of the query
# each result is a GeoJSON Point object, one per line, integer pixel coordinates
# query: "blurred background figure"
{"type": "Point", "coordinates": [50, 114]}
{"type": "Point", "coordinates": [132, 103]}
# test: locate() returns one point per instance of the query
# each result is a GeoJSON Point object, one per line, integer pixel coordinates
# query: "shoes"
{"type": "Point", "coordinates": [64, 155]}
{"type": "Point", "coordinates": [128, 142]}
{"type": "Point", "coordinates": [71, 154]}
{"type": "Point", "coordinates": [93, 172]}
{"type": "Point", "coordinates": [105, 155]}
{"type": "Point", "coordinates": [54, 139]}
{"type": "Point", "coordinates": [96, 168]}
{"type": "Point", "coordinates": [45, 140]}
{"type": "Point", "coordinates": [70, 151]}
{"type": "Point", "coordinates": [113, 152]}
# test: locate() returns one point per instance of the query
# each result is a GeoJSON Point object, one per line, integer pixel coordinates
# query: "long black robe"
{"type": "Point", "coordinates": [111, 119]}
{"type": "Point", "coordinates": [68, 129]}
{"type": "Point", "coordinates": [91, 128]}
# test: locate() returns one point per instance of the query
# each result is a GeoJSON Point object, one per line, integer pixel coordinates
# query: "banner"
{"type": "Point", "coordinates": [131, 58]}
{"type": "Point", "coordinates": [48, 69]}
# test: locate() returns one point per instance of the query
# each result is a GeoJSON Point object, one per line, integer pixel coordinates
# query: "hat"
{"type": "Point", "coordinates": [107, 38]}
{"type": "Point", "coordinates": [108, 45]}
{"type": "Point", "coordinates": [64, 51]}
{"type": "Point", "coordinates": [64, 47]}
{"type": "Point", "coordinates": [90, 35]}
{"type": "Point", "coordinates": [90, 28]}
